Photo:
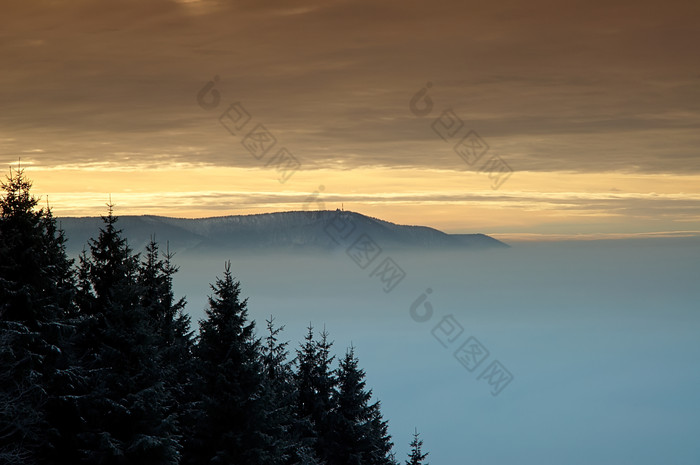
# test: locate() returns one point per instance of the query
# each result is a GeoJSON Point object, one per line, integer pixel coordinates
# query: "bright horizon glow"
{"type": "Point", "coordinates": [575, 206]}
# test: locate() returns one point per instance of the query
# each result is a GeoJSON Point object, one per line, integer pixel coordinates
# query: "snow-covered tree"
{"type": "Point", "coordinates": [232, 422]}
{"type": "Point", "coordinates": [123, 406]}
{"type": "Point", "coordinates": [36, 290]}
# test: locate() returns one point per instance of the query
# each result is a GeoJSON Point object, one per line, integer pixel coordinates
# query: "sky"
{"type": "Point", "coordinates": [529, 121]}
{"type": "Point", "coordinates": [523, 120]}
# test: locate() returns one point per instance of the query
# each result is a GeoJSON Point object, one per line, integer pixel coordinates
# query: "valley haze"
{"type": "Point", "coordinates": [600, 336]}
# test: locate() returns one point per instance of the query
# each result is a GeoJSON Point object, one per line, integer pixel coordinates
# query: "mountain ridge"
{"type": "Point", "coordinates": [289, 229]}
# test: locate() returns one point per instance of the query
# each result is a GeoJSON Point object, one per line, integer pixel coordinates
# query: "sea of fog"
{"type": "Point", "coordinates": [601, 340]}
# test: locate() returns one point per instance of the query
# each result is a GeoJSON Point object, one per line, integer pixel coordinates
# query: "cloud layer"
{"type": "Point", "coordinates": [581, 86]}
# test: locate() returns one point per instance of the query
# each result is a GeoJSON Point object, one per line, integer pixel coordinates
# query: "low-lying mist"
{"type": "Point", "coordinates": [601, 339]}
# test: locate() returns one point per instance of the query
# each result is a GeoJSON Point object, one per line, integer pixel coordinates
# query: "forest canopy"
{"type": "Point", "coordinates": [99, 363]}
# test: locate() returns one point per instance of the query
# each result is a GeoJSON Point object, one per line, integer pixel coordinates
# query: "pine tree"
{"type": "Point", "coordinates": [123, 405]}
{"type": "Point", "coordinates": [233, 426]}
{"type": "Point", "coordinates": [280, 394]}
{"type": "Point", "coordinates": [315, 384]}
{"type": "Point", "coordinates": [35, 274]}
{"type": "Point", "coordinates": [35, 296]}
{"type": "Point", "coordinates": [379, 437]}
{"type": "Point", "coordinates": [111, 269]}
{"type": "Point", "coordinates": [416, 456]}
{"type": "Point", "coordinates": [174, 338]}
{"type": "Point", "coordinates": [274, 356]}
{"type": "Point", "coordinates": [21, 394]}
{"type": "Point", "coordinates": [166, 314]}
{"type": "Point", "coordinates": [157, 297]}
{"type": "Point", "coordinates": [359, 433]}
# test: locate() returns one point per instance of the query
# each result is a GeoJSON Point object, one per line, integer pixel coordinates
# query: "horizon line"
{"type": "Point", "coordinates": [502, 236]}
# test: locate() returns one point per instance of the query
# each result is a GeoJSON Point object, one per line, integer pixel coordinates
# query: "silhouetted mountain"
{"type": "Point", "coordinates": [284, 230]}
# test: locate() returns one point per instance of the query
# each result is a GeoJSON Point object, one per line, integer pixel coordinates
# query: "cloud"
{"type": "Point", "coordinates": [584, 87]}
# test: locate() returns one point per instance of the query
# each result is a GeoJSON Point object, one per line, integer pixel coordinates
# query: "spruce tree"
{"type": "Point", "coordinates": [359, 432]}
{"type": "Point", "coordinates": [315, 384]}
{"type": "Point", "coordinates": [166, 313]}
{"type": "Point", "coordinates": [22, 398]}
{"type": "Point", "coordinates": [36, 280]}
{"type": "Point", "coordinates": [173, 336]}
{"type": "Point", "coordinates": [232, 423]}
{"type": "Point", "coordinates": [35, 298]}
{"type": "Point", "coordinates": [280, 394]}
{"type": "Point", "coordinates": [380, 439]}
{"type": "Point", "coordinates": [123, 405]}
{"type": "Point", "coordinates": [416, 456]}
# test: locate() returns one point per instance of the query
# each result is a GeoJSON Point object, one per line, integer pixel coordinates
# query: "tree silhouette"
{"type": "Point", "coordinates": [315, 383]}
{"type": "Point", "coordinates": [124, 402]}
{"type": "Point", "coordinates": [36, 290]}
{"type": "Point", "coordinates": [99, 365]}
{"type": "Point", "coordinates": [359, 433]}
{"type": "Point", "coordinates": [233, 426]}
{"type": "Point", "coordinates": [416, 456]}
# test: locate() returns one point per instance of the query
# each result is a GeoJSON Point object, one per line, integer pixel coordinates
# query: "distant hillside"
{"type": "Point", "coordinates": [286, 230]}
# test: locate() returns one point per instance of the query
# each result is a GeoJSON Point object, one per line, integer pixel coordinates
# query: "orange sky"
{"type": "Point", "coordinates": [594, 106]}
